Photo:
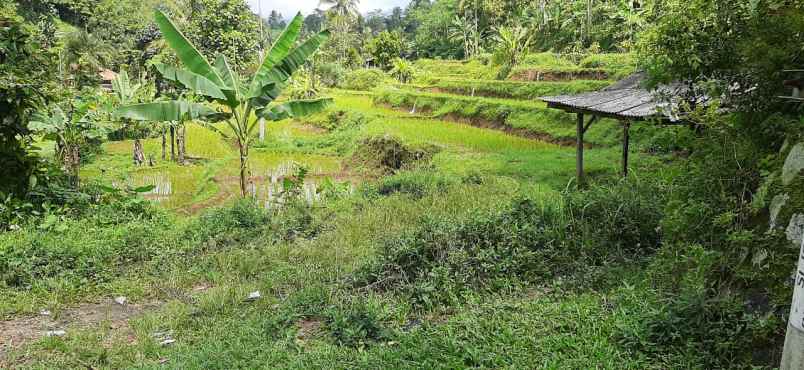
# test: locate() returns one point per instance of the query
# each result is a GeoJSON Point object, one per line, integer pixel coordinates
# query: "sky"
{"type": "Point", "coordinates": [288, 8]}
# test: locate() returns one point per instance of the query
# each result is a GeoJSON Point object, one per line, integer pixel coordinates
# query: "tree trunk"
{"type": "Point", "coordinates": [172, 144]}
{"type": "Point", "coordinates": [139, 153]}
{"type": "Point", "coordinates": [181, 142]}
{"type": "Point", "coordinates": [72, 161]}
{"type": "Point", "coordinates": [243, 168]}
{"type": "Point", "coordinates": [164, 145]}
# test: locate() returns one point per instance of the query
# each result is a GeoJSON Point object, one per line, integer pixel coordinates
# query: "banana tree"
{"type": "Point", "coordinates": [245, 101]}
{"type": "Point", "coordinates": [70, 130]}
{"type": "Point", "coordinates": [126, 93]}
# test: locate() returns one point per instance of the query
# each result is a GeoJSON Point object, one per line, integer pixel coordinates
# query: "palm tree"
{"type": "Point", "coordinates": [343, 8]}
{"type": "Point", "coordinates": [244, 103]}
{"type": "Point", "coordinates": [81, 58]}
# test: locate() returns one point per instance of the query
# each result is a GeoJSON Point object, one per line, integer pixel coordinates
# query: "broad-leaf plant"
{"type": "Point", "coordinates": [244, 100]}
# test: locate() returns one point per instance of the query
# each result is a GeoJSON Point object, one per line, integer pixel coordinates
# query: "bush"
{"type": "Point", "coordinates": [330, 73]}
{"type": "Point", "coordinates": [442, 261]}
{"type": "Point", "coordinates": [621, 219]}
{"type": "Point", "coordinates": [340, 120]}
{"type": "Point", "coordinates": [83, 251]}
{"type": "Point", "coordinates": [402, 70]}
{"type": "Point", "coordinates": [415, 183]}
{"type": "Point", "coordinates": [700, 320]}
{"type": "Point", "coordinates": [356, 323]}
{"type": "Point", "coordinates": [385, 48]}
{"type": "Point", "coordinates": [363, 79]}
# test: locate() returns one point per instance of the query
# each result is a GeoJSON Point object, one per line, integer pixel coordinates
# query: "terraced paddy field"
{"type": "Point", "coordinates": [376, 266]}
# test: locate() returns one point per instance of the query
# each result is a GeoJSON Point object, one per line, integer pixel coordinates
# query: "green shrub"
{"type": "Point", "coordinates": [111, 239]}
{"type": "Point", "coordinates": [356, 323]}
{"type": "Point", "coordinates": [337, 120]}
{"type": "Point", "coordinates": [621, 219]}
{"type": "Point", "coordinates": [385, 48]}
{"type": "Point", "coordinates": [330, 73]}
{"type": "Point", "coordinates": [363, 79]}
{"type": "Point", "coordinates": [242, 215]}
{"type": "Point", "coordinates": [698, 319]}
{"type": "Point", "coordinates": [415, 183]}
{"type": "Point", "coordinates": [84, 251]}
{"type": "Point", "coordinates": [443, 261]}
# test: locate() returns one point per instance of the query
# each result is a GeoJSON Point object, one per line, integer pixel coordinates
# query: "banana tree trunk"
{"type": "Point", "coordinates": [172, 144]}
{"type": "Point", "coordinates": [243, 168]}
{"type": "Point", "coordinates": [139, 153]}
{"type": "Point", "coordinates": [164, 145]}
{"type": "Point", "coordinates": [181, 142]}
{"type": "Point", "coordinates": [72, 161]}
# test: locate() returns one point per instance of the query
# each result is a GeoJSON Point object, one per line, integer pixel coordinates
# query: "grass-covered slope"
{"type": "Point", "coordinates": [527, 118]}
{"type": "Point", "coordinates": [552, 67]}
{"type": "Point", "coordinates": [513, 89]}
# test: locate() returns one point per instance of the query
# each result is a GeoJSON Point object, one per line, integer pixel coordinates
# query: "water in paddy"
{"type": "Point", "coordinates": [180, 188]}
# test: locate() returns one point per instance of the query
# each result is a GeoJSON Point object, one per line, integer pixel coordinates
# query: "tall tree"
{"type": "Point", "coordinates": [226, 27]}
{"type": "Point", "coordinates": [276, 21]}
{"type": "Point", "coordinates": [343, 8]}
{"type": "Point", "coordinates": [27, 83]}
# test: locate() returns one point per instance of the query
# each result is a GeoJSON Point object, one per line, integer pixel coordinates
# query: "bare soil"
{"type": "Point", "coordinates": [22, 330]}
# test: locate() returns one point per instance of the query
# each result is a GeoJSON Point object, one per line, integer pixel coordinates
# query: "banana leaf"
{"type": "Point", "coordinates": [187, 53]}
{"type": "Point", "coordinates": [166, 111]}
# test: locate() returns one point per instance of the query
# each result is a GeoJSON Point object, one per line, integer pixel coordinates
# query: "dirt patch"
{"type": "Point", "coordinates": [538, 75]}
{"type": "Point", "coordinates": [19, 331]}
{"type": "Point", "coordinates": [388, 154]}
{"type": "Point", "coordinates": [309, 129]}
{"type": "Point", "coordinates": [308, 328]}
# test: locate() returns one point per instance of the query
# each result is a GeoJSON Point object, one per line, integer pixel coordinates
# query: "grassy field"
{"type": "Point", "coordinates": [337, 288]}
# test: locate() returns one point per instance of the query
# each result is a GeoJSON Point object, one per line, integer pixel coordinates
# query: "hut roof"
{"type": "Point", "coordinates": [626, 100]}
{"type": "Point", "coordinates": [107, 74]}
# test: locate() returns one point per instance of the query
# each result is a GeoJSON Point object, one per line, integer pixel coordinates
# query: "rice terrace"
{"type": "Point", "coordinates": [417, 184]}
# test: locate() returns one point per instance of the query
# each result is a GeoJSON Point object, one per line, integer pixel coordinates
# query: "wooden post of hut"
{"type": "Point", "coordinates": [579, 150]}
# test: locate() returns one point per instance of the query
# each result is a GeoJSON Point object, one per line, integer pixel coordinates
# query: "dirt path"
{"type": "Point", "coordinates": [19, 331]}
